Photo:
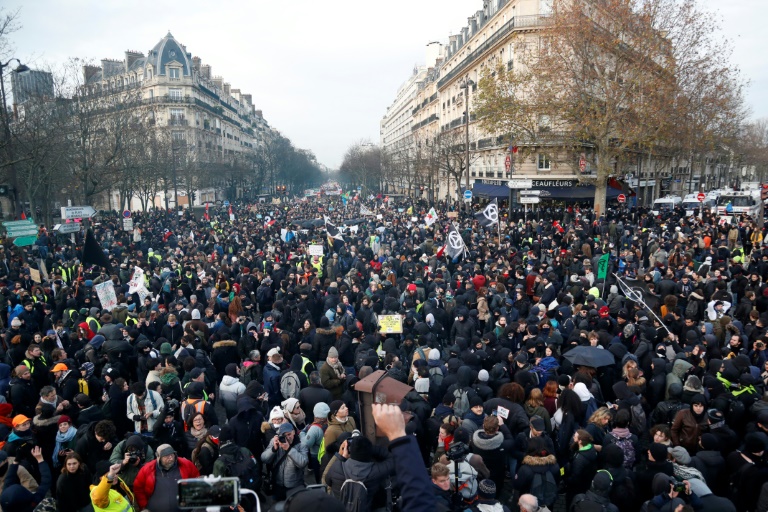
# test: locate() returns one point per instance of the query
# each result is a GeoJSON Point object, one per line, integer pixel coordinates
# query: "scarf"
{"type": "Point", "coordinates": [61, 439]}
{"type": "Point", "coordinates": [338, 367]}
{"type": "Point", "coordinates": [198, 434]}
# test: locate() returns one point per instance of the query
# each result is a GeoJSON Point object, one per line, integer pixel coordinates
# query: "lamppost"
{"type": "Point", "coordinates": [7, 129]}
{"type": "Point", "coordinates": [466, 84]}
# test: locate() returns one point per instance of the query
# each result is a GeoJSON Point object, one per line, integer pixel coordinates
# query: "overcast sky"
{"type": "Point", "coordinates": [322, 72]}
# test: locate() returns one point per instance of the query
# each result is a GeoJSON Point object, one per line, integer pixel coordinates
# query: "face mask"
{"type": "Point", "coordinates": [276, 425]}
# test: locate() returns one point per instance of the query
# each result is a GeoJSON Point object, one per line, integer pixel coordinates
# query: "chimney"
{"type": "Point", "coordinates": [472, 25]}
{"type": "Point", "coordinates": [205, 71]}
{"type": "Point", "coordinates": [480, 19]}
{"type": "Point", "coordinates": [452, 42]}
{"type": "Point", "coordinates": [112, 67]}
{"type": "Point", "coordinates": [248, 98]}
{"type": "Point", "coordinates": [131, 57]}
{"type": "Point", "coordinates": [227, 88]}
{"type": "Point", "coordinates": [89, 71]}
{"type": "Point", "coordinates": [196, 63]}
{"type": "Point", "coordinates": [259, 114]}
{"type": "Point", "coordinates": [465, 34]}
{"type": "Point", "coordinates": [459, 40]}
{"type": "Point", "coordinates": [217, 81]}
{"type": "Point", "coordinates": [236, 94]}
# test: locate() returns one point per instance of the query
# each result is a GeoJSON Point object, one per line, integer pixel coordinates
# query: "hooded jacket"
{"type": "Point", "coordinates": [290, 472]}
{"type": "Point", "coordinates": [372, 474]}
{"type": "Point", "coordinates": [533, 465]}
{"type": "Point", "coordinates": [679, 369]}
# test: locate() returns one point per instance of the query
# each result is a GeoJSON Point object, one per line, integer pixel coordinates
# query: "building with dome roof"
{"type": "Point", "coordinates": [203, 114]}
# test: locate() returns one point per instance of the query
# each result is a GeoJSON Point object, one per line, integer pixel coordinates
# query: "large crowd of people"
{"type": "Point", "coordinates": [560, 360]}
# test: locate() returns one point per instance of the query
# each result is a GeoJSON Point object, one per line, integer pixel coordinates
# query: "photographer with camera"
{"type": "Point", "coordinates": [286, 458]}
{"type": "Point", "coordinates": [132, 453]}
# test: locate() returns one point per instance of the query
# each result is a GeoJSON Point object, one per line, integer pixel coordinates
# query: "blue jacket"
{"type": "Point", "coordinates": [272, 384]}
{"type": "Point", "coordinates": [411, 476]}
{"type": "Point", "coordinates": [16, 497]}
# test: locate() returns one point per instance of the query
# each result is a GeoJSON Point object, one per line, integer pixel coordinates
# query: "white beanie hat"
{"type": "Point", "coordinates": [276, 412]}
{"type": "Point", "coordinates": [614, 289]}
{"type": "Point", "coordinates": [195, 314]}
{"type": "Point", "coordinates": [421, 385]}
{"type": "Point", "coordinates": [483, 376]}
{"type": "Point", "coordinates": [433, 355]}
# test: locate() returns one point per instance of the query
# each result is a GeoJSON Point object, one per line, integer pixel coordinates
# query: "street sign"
{"type": "Point", "coordinates": [11, 223]}
{"type": "Point", "coordinates": [24, 241]}
{"type": "Point", "coordinates": [22, 231]}
{"type": "Point", "coordinates": [622, 198]}
{"type": "Point", "coordinates": [467, 196]}
{"type": "Point", "coordinates": [226, 204]}
{"type": "Point", "coordinates": [530, 192]}
{"type": "Point", "coordinates": [530, 200]}
{"type": "Point", "coordinates": [520, 183]}
{"type": "Point", "coordinates": [508, 163]}
{"type": "Point", "coordinates": [701, 197]}
{"type": "Point", "coordinates": [127, 224]}
{"type": "Point", "coordinates": [126, 214]}
{"type": "Point", "coordinates": [77, 212]}
{"type": "Point", "coordinates": [72, 227]}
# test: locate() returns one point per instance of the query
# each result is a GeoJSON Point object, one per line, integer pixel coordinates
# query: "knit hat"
{"type": "Point", "coordinates": [680, 455]}
{"type": "Point", "coordinates": [195, 314]}
{"type": "Point", "coordinates": [360, 449]}
{"type": "Point", "coordinates": [332, 352]}
{"type": "Point", "coordinates": [321, 410]}
{"type": "Point", "coordinates": [521, 358]}
{"type": "Point", "coordinates": [231, 369]}
{"type": "Point", "coordinates": [753, 444]}
{"type": "Point", "coordinates": [475, 401]}
{"type": "Point", "coordinates": [421, 385]}
{"type": "Point", "coordinates": [289, 404]}
{"type": "Point", "coordinates": [601, 483]}
{"type": "Point", "coordinates": [166, 349]}
{"type": "Point", "coordinates": [164, 450]}
{"type": "Point", "coordinates": [276, 412]}
{"type": "Point", "coordinates": [16, 323]}
{"type": "Point", "coordinates": [64, 419]}
{"type": "Point", "coordinates": [658, 452]}
{"type": "Point", "coordinates": [537, 423]}
{"type": "Point", "coordinates": [698, 398]}
{"type": "Point", "coordinates": [225, 434]}
{"type": "Point", "coordinates": [273, 352]}
{"type": "Point", "coordinates": [486, 489]}
{"type": "Point", "coordinates": [134, 441]}
{"type": "Point", "coordinates": [334, 407]}
{"type": "Point", "coordinates": [434, 355]}
{"type": "Point", "coordinates": [710, 442]}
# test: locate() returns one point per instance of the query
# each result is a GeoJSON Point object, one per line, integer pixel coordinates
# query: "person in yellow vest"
{"type": "Point", "coordinates": [111, 494]}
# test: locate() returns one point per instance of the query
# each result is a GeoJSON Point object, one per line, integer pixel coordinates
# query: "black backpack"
{"type": "Point", "coordinates": [247, 470]}
{"type": "Point", "coordinates": [544, 488]}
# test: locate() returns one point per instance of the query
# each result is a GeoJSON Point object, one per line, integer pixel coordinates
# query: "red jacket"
{"type": "Point", "coordinates": [478, 281]}
{"type": "Point", "coordinates": [144, 485]}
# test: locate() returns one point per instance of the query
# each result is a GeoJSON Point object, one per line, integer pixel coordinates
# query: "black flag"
{"type": "Point", "coordinates": [455, 244]}
{"type": "Point", "coordinates": [490, 215]}
{"type": "Point", "coordinates": [94, 254]}
{"type": "Point", "coordinates": [335, 239]}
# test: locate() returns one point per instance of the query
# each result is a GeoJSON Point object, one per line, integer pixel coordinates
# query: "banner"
{"type": "Point", "coordinates": [315, 250]}
{"type": "Point", "coordinates": [364, 210]}
{"type": "Point", "coordinates": [34, 274]}
{"type": "Point", "coordinates": [490, 215]}
{"type": "Point", "coordinates": [137, 285]}
{"type": "Point", "coordinates": [390, 324]}
{"type": "Point", "coordinates": [107, 297]}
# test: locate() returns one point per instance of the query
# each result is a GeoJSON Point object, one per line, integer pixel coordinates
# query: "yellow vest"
{"type": "Point", "coordinates": [98, 325]}
{"type": "Point", "coordinates": [117, 502]}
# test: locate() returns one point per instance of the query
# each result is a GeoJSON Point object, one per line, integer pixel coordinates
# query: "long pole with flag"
{"type": "Point", "coordinates": [636, 295]}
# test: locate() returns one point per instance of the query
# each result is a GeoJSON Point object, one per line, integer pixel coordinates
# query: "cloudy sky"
{"type": "Point", "coordinates": [322, 72]}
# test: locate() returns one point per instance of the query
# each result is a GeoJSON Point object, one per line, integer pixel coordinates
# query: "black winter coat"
{"type": "Point", "coordinates": [224, 353]}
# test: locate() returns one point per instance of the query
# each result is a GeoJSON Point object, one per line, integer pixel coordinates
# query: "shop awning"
{"type": "Point", "coordinates": [486, 190]}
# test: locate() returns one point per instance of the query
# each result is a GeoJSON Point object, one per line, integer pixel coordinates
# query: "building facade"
{"type": "Point", "coordinates": [204, 115]}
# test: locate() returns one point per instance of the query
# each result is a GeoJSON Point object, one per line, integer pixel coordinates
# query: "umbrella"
{"type": "Point", "coordinates": [590, 356]}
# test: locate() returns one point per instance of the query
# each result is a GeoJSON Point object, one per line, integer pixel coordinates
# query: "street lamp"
{"type": "Point", "coordinates": [466, 84]}
{"type": "Point", "coordinates": [7, 129]}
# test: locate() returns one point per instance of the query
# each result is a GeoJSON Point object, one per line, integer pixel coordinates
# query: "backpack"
{"type": "Point", "coordinates": [625, 443]}
{"type": "Point", "coordinates": [639, 422]}
{"type": "Point", "coordinates": [461, 402]}
{"type": "Point", "coordinates": [583, 504]}
{"type": "Point", "coordinates": [435, 378]}
{"type": "Point", "coordinates": [246, 469]}
{"type": "Point", "coordinates": [545, 371]}
{"type": "Point", "coordinates": [362, 357]}
{"type": "Point", "coordinates": [290, 385]}
{"type": "Point", "coordinates": [195, 456]}
{"type": "Point", "coordinates": [736, 411]}
{"type": "Point", "coordinates": [189, 411]}
{"type": "Point", "coordinates": [692, 309]}
{"type": "Point", "coordinates": [544, 488]}
{"type": "Point", "coordinates": [354, 493]}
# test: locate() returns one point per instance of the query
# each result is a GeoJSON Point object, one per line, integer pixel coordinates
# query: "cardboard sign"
{"type": "Point", "coordinates": [391, 324]}
{"type": "Point", "coordinates": [106, 293]}
{"type": "Point", "coordinates": [34, 274]}
{"type": "Point", "coordinates": [315, 250]}
{"type": "Point", "coordinates": [452, 215]}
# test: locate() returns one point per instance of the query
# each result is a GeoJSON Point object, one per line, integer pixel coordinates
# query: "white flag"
{"type": "Point", "coordinates": [431, 217]}
{"type": "Point", "coordinates": [364, 210]}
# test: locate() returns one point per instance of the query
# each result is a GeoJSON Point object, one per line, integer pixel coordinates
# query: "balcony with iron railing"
{"type": "Point", "coordinates": [177, 120]}
{"type": "Point", "coordinates": [518, 23]}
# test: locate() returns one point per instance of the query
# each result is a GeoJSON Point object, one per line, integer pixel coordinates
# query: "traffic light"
{"type": "Point", "coordinates": [194, 196]}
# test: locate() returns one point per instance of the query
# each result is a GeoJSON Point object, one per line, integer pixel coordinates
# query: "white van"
{"type": "Point", "coordinates": [666, 204]}
{"type": "Point", "coordinates": [742, 203]}
{"type": "Point", "coordinates": [692, 205]}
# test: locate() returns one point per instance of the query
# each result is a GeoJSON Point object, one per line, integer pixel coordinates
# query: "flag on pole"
{"type": "Point", "coordinates": [455, 245]}
{"type": "Point", "coordinates": [335, 239]}
{"type": "Point", "coordinates": [409, 211]}
{"type": "Point", "coordinates": [602, 266]}
{"type": "Point", "coordinates": [490, 215]}
{"type": "Point", "coordinates": [93, 253]}
{"type": "Point", "coordinates": [431, 217]}
{"type": "Point", "coordinates": [207, 217]}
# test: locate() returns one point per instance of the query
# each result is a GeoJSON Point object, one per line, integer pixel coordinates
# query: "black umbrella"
{"type": "Point", "coordinates": [590, 356]}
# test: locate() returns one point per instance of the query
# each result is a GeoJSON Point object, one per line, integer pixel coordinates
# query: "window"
{"type": "Point", "coordinates": [178, 135]}
{"type": "Point", "coordinates": [174, 93]}
{"type": "Point", "coordinates": [544, 163]}
{"type": "Point", "coordinates": [151, 93]}
{"type": "Point", "coordinates": [174, 73]}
